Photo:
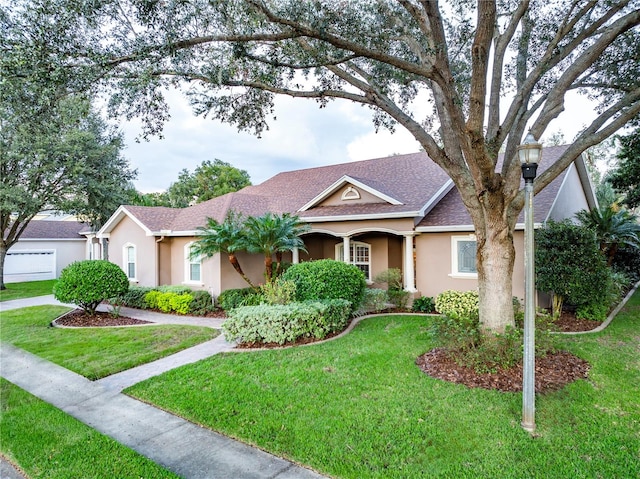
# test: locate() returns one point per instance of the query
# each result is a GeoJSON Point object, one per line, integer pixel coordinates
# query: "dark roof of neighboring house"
{"type": "Point", "coordinates": [413, 181]}
{"type": "Point", "coordinates": [46, 229]}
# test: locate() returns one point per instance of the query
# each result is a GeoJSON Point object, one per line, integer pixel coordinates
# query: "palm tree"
{"type": "Point", "coordinates": [227, 238]}
{"type": "Point", "coordinates": [272, 235]}
{"type": "Point", "coordinates": [613, 226]}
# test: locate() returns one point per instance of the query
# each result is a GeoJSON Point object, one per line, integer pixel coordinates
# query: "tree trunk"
{"type": "Point", "coordinates": [236, 265]}
{"type": "Point", "coordinates": [495, 260]}
{"type": "Point", "coordinates": [268, 267]}
{"type": "Point", "coordinates": [3, 255]}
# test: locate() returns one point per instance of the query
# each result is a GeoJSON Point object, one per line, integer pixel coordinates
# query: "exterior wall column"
{"type": "Point", "coordinates": [409, 267]}
{"type": "Point", "coordinates": [346, 243]}
{"type": "Point", "coordinates": [295, 256]}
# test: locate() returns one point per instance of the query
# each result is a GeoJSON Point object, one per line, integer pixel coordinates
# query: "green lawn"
{"type": "Point", "coordinates": [27, 289]}
{"type": "Point", "coordinates": [96, 352]}
{"type": "Point", "coordinates": [49, 444]}
{"type": "Point", "coordinates": [358, 407]}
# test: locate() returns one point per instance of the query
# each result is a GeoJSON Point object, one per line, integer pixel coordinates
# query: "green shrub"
{"type": "Point", "coordinates": [457, 303]}
{"type": "Point", "coordinates": [280, 323]}
{"type": "Point", "coordinates": [570, 266]}
{"type": "Point", "coordinates": [456, 333]}
{"type": "Point", "coordinates": [234, 298]}
{"type": "Point", "coordinates": [374, 299]}
{"type": "Point", "coordinates": [279, 291]}
{"type": "Point", "coordinates": [151, 299]}
{"type": "Point", "coordinates": [174, 288]}
{"type": "Point", "coordinates": [593, 311]}
{"type": "Point", "coordinates": [423, 304]}
{"type": "Point", "coordinates": [202, 303]}
{"type": "Point", "coordinates": [327, 279]}
{"type": "Point", "coordinates": [180, 303]}
{"type": "Point", "coordinates": [391, 276]}
{"type": "Point", "coordinates": [88, 283]}
{"type": "Point", "coordinates": [134, 297]}
{"type": "Point", "coordinates": [164, 301]}
{"type": "Point", "coordinates": [398, 297]}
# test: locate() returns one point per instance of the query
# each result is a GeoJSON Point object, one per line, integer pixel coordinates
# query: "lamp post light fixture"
{"type": "Point", "coordinates": [529, 153]}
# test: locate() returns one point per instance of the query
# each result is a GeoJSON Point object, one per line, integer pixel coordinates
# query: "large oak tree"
{"type": "Point", "coordinates": [467, 79]}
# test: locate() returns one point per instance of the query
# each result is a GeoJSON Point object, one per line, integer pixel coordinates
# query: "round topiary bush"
{"type": "Point", "coordinates": [88, 283]}
{"type": "Point", "coordinates": [327, 279]}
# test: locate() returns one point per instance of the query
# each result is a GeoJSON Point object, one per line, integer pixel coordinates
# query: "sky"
{"type": "Point", "coordinates": [301, 136]}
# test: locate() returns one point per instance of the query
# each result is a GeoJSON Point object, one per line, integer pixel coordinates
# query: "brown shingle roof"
{"type": "Point", "coordinates": [413, 179]}
{"type": "Point", "coordinates": [45, 229]}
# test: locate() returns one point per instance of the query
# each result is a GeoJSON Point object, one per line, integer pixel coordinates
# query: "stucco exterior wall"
{"type": "Point", "coordinates": [66, 250]}
{"type": "Point", "coordinates": [128, 232]}
{"type": "Point", "coordinates": [434, 265]}
{"type": "Point", "coordinates": [571, 197]}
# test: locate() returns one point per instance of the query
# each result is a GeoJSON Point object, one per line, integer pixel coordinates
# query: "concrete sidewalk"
{"type": "Point", "coordinates": [186, 449]}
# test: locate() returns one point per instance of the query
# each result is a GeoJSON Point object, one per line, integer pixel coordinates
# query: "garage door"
{"type": "Point", "coordinates": [29, 265]}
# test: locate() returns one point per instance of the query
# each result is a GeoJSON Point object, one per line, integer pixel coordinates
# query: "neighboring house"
{"type": "Point", "coordinates": [44, 249]}
{"type": "Point", "coordinates": [395, 212]}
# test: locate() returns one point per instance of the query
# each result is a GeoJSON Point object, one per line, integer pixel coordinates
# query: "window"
{"type": "Point", "coordinates": [360, 255]}
{"type": "Point", "coordinates": [193, 265]}
{"type": "Point", "coordinates": [463, 256]}
{"type": "Point", "coordinates": [130, 261]}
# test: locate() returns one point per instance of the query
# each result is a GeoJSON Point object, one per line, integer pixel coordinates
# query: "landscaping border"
{"type": "Point", "coordinates": [612, 314]}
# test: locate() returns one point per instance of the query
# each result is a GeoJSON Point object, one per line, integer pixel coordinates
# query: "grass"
{"type": "Point", "coordinates": [358, 407]}
{"type": "Point", "coordinates": [27, 289]}
{"type": "Point", "coordinates": [96, 352]}
{"type": "Point", "coordinates": [47, 443]}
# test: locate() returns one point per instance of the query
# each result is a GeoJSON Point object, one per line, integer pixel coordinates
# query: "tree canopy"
{"type": "Point", "coordinates": [66, 159]}
{"type": "Point", "coordinates": [625, 178]}
{"type": "Point", "coordinates": [467, 79]}
{"type": "Point", "coordinates": [209, 179]}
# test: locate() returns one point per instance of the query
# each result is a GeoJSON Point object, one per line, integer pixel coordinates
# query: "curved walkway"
{"type": "Point", "coordinates": [182, 447]}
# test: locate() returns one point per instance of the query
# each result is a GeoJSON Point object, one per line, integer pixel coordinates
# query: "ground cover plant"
{"type": "Point", "coordinates": [95, 352]}
{"type": "Point", "coordinates": [359, 407]}
{"type": "Point", "coordinates": [47, 443]}
{"type": "Point", "coordinates": [27, 289]}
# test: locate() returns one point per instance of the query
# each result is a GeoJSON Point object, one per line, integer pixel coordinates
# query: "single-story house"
{"type": "Point", "coordinates": [45, 248]}
{"type": "Point", "coordinates": [395, 212]}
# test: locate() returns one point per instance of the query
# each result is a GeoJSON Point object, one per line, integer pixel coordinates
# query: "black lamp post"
{"type": "Point", "coordinates": [529, 153]}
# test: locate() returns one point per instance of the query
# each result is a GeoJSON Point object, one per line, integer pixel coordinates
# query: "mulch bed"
{"type": "Point", "coordinates": [79, 319]}
{"type": "Point", "coordinates": [551, 372]}
{"type": "Point", "coordinates": [568, 323]}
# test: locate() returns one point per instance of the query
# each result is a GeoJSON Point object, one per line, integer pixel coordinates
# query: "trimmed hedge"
{"type": "Point", "coordinates": [234, 298]}
{"type": "Point", "coordinates": [87, 283]}
{"type": "Point", "coordinates": [282, 323]}
{"type": "Point", "coordinates": [457, 304]}
{"type": "Point", "coordinates": [327, 279]}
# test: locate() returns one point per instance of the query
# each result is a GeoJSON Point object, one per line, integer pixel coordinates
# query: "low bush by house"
{"type": "Point", "coordinates": [327, 279]}
{"type": "Point", "coordinates": [234, 298]}
{"type": "Point", "coordinates": [168, 299]}
{"type": "Point", "coordinates": [423, 304]}
{"type": "Point", "coordinates": [283, 323]}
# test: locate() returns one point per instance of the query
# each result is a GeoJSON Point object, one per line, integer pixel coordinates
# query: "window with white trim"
{"type": "Point", "coordinates": [360, 255]}
{"type": "Point", "coordinates": [193, 265]}
{"type": "Point", "coordinates": [129, 255]}
{"type": "Point", "coordinates": [463, 256]}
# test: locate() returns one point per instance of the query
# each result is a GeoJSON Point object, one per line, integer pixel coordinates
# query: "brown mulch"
{"type": "Point", "coordinates": [551, 372]}
{"type": "Point", "coordinates": [568, 323]}
{"type": "Point", "coordinates": [79, 319]}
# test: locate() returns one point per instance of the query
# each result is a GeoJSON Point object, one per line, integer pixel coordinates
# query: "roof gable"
{"type": "Point", "coordinates": [348, 190]}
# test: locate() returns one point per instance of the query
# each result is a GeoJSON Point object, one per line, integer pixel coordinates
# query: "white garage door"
{"type": "Point", "coordinates": [29, 265]}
